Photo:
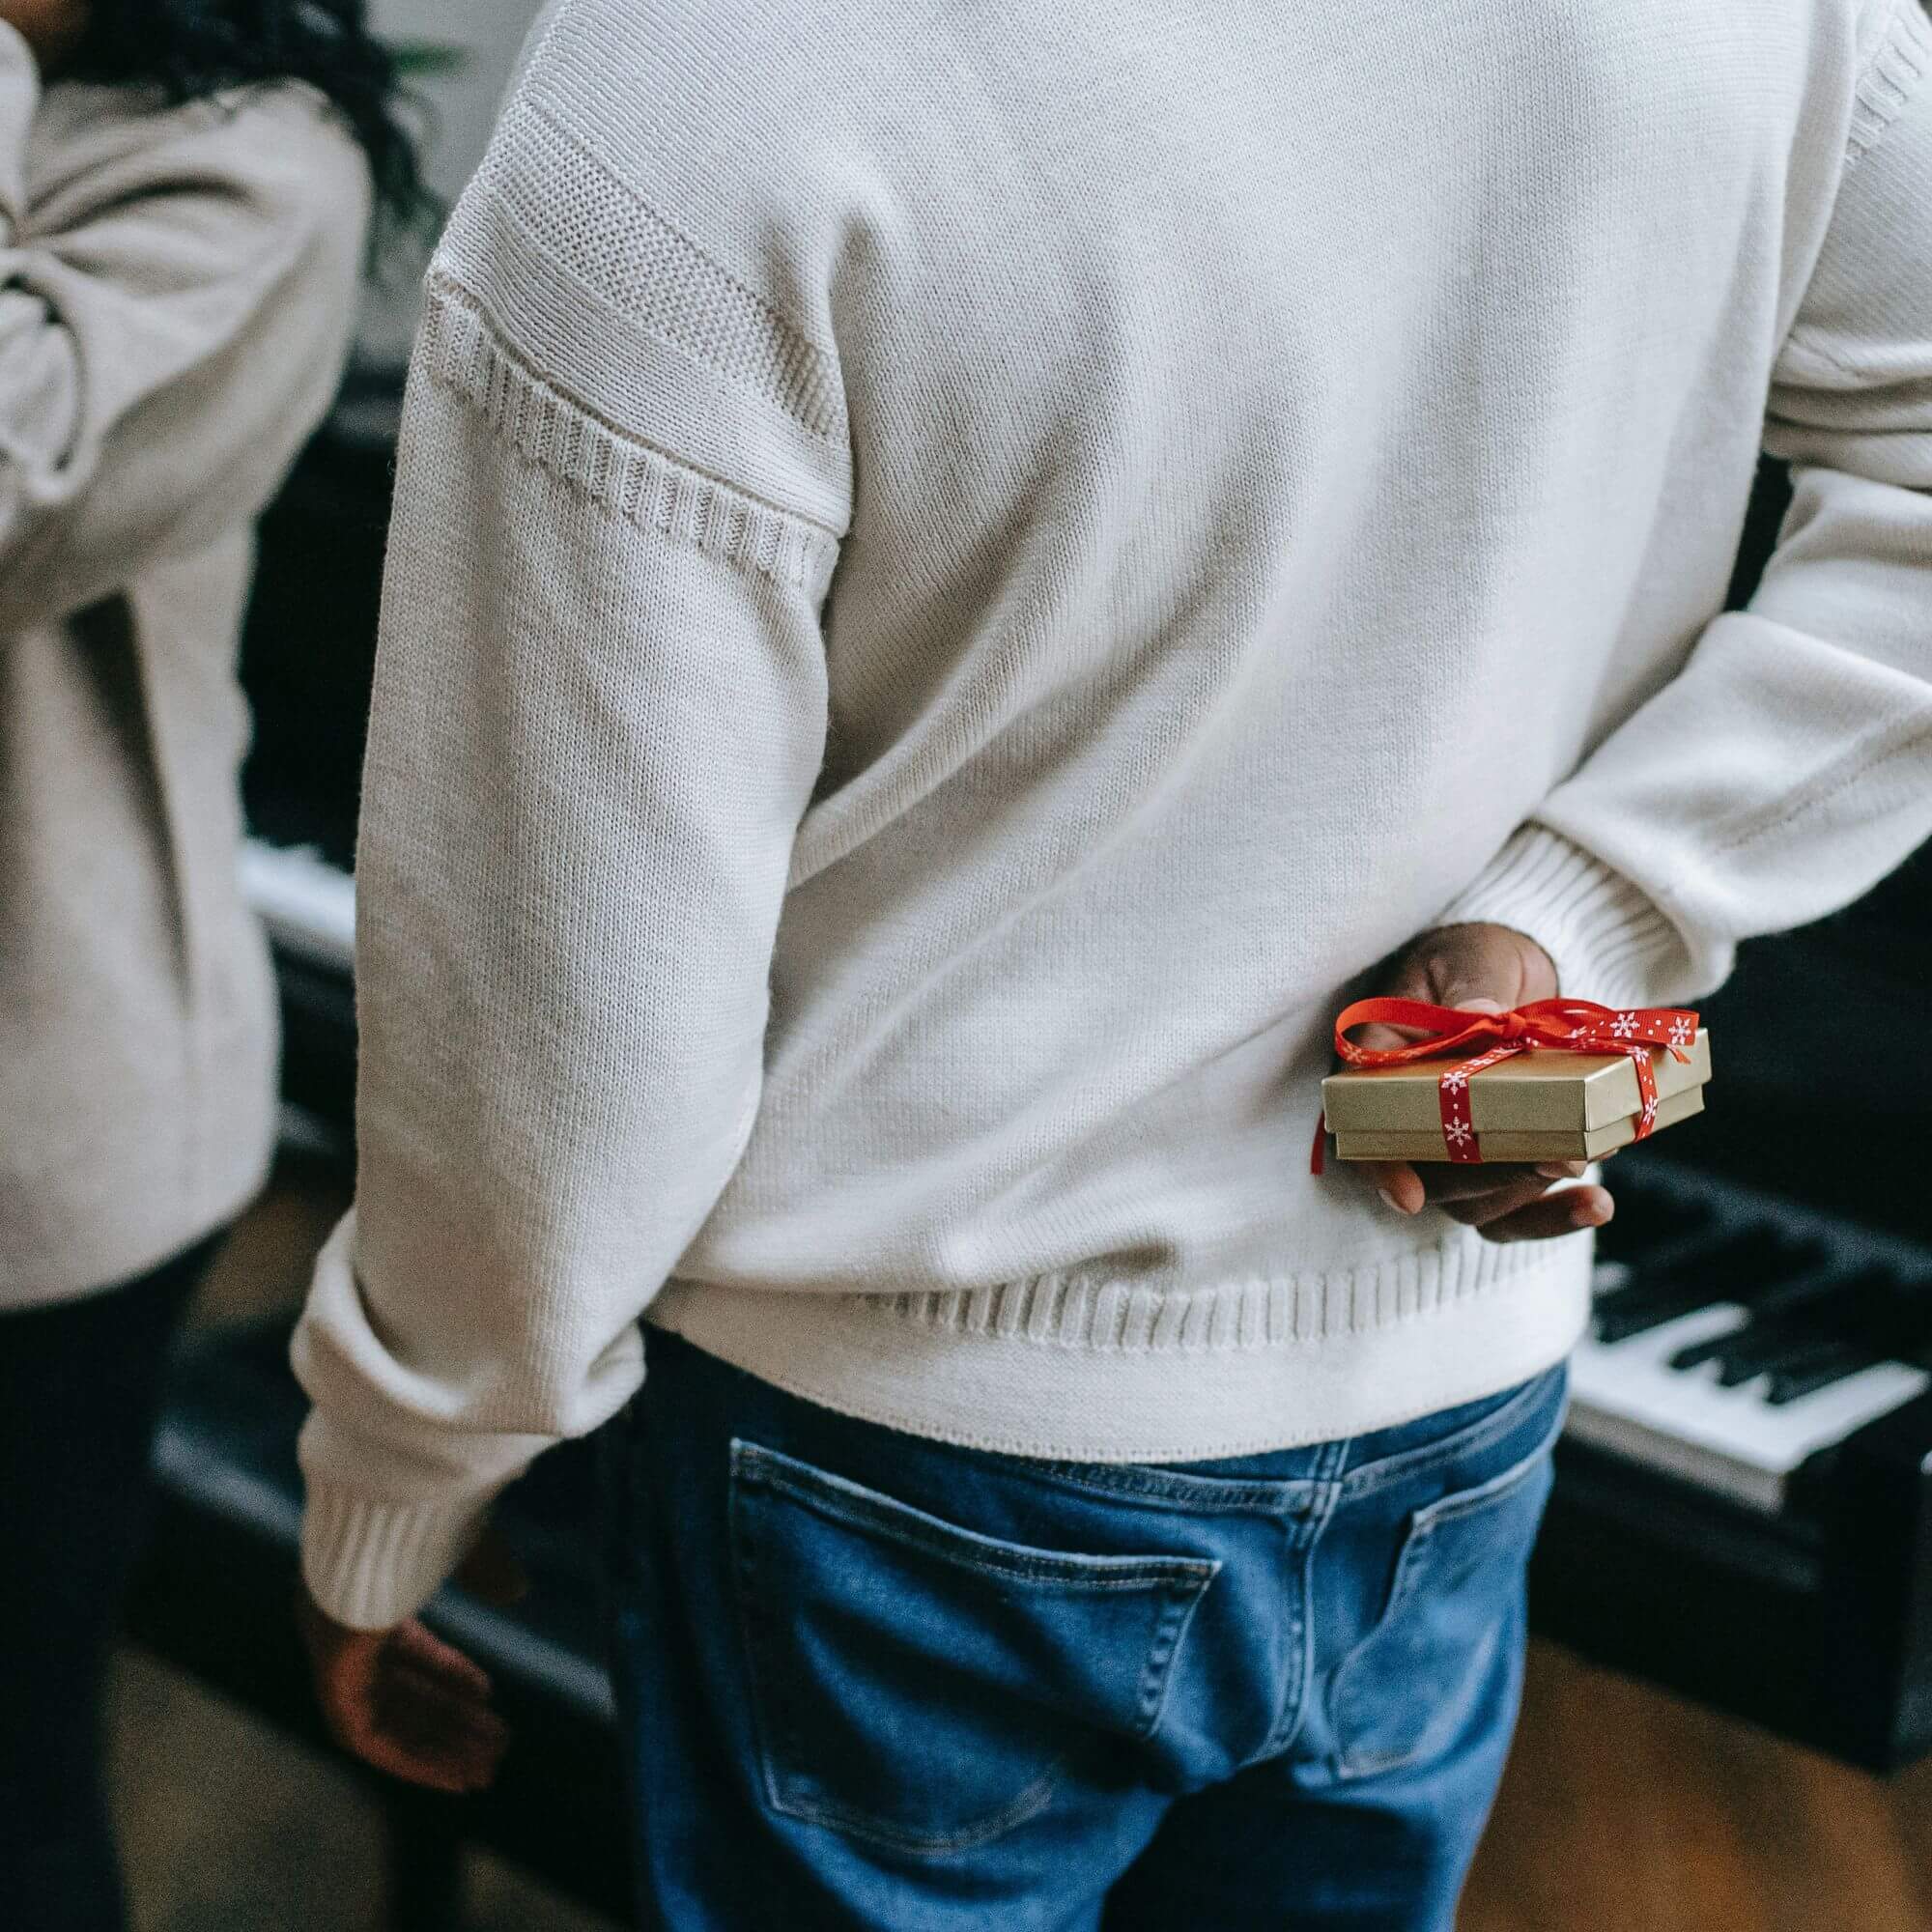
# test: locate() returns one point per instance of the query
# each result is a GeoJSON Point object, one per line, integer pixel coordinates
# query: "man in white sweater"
{"type": "Point", "coordinates": [962, 578]}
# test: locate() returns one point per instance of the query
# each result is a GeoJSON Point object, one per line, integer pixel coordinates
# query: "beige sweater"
{"type": "Point", "coordinates": [177, 291]}
{"type": "Point", "coordinates": [962, 573]}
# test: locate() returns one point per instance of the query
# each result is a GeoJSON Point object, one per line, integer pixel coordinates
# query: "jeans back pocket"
{"type": "Point", "coordinates": [924, 1686]}
{"type": "Point", "coordinates": [1401, 1690]}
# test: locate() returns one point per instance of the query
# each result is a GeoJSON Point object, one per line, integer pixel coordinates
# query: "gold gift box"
{"type": "Point", "coordinates": [1545, 1105]}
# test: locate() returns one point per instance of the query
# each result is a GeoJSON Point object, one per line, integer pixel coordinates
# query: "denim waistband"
{"type": "Point", "coordinates": [1329, 1475]}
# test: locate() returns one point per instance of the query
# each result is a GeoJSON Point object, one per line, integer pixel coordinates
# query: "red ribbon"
{"type": "Point", "coordinates": [1569, 1025]}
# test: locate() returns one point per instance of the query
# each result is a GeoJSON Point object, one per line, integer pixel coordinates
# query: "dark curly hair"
{"type": "Point", "coordinates": [193, 48]}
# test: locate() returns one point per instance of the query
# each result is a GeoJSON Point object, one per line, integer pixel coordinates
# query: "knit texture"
{"type": "Point", "coordinates": [176, 293]}
{"type": "Point", "coordinates": [961, 575]}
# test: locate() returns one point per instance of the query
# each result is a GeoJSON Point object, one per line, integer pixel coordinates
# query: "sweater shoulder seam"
{"type": "Point", "coordinates": [1888, 78]}
{"type": "Point", "coordinates": [463, 350]}
{"type": "Point", "coordinates": [538, 163]}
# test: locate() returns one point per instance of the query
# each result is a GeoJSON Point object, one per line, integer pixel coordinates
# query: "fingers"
{"type": "Point", "coordinates": [1503, 1203]}
{"type": "Point", "coordinates": [1379, 1037]}
{"type": "Point", "coordinates": [1482, 965]}
{"type": "Point", "coordinates": [1476, 1211]}
{"type": "Point", "coordinates": [1398, 1183]}
{"type": "Point", "coordinates": [407, 1703]}
{"type": "Point", "coordinates": [450, 1740]}
{"type": "Point", "coordinates": [1563, 1212]}
{"type": "Point", "coordinates": [1515, 1187]}
{"type": "Point", "coordinates": [416, 1645]}
{"type": "Point", "coordinates": [1470, 1180]}
{"type": "Point", "coordinates": [431, 1702]}
{"type": "Point", "coordinates": [421, 1748]}
{"type": "Point", "coordinates": [1408, 1190]}
{"type": "Point", "coordinates": [1477, 967]}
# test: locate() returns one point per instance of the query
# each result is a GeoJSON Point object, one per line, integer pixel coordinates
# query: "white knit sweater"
{"type": "Point", "coordinates": [961, 573]}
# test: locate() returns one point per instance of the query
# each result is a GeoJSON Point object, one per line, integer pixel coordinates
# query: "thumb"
{"type": "Point", "coordinates": [1480, 1004]}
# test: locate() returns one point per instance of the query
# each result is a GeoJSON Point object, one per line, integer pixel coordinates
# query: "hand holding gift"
{"type": "Point", "coordinates": [1474, 1067]}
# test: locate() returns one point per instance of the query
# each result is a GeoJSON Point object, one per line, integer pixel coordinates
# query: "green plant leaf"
{"type": "Point", "coordinates": [415, 59]}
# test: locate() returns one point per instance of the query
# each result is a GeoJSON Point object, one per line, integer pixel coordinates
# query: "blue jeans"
{"type": "Point", "coordinates": [874, 1681]}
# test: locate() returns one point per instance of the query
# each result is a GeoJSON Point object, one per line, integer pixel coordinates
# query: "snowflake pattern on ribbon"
{"type": "Point", "coordinates": [1646, 1087]}
{"type": "Point", "coordinates": [1570, 1026]}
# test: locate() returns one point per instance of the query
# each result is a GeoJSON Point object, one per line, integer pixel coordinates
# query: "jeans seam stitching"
{"type": "Point", "coordinates": [1031, 1801]}
{"type": "Point", "coordinates": [745, 1575]}
{"type": "Point", "coordinates": [1504, 1483]}
{"type": "Point", "coordinates": [1186, 1603]}
{"type": "Point", "coordinates": [1290, 1721]}
{"type": "Point", "coordinates": [1052, 1568]}
{"type": "Point", "coordinates": [1477, 1434]}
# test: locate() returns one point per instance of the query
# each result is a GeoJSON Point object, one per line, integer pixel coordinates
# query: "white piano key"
{"type": "Point", "coordinates": [1626, 1397]}
{"type": "Point", "coordinates": [307, 904]}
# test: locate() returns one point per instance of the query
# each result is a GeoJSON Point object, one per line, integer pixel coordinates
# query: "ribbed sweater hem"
{"type": "Point", "coordinates": [370, 1563]}
{"type": "Point", "coordinates": [1060, 1369]}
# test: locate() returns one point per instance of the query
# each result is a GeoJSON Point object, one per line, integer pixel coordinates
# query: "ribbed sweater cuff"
{"type": "Point", "coordinates": [1609, 940]}
{"type": "Point", "coordinates": [370, 1564]}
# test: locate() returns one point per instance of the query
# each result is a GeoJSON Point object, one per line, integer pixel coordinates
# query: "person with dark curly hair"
{"type": "Point", "coordinates": [185, 201]}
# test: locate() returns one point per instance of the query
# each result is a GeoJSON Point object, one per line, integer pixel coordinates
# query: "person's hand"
{"type": "Point", "coordinates": [1486, 969]}
{"type": "Point", "coordinates": [52, 28]}
{"type": "Point", "coordinates": [405, 1701]}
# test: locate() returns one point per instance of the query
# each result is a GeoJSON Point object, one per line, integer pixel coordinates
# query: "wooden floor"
{"type": "Point", "coordinates": [1623, 1810]}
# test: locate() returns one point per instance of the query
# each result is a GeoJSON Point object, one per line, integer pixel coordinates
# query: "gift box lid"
{"type": "Point", "coordinates": [1544, 1089]}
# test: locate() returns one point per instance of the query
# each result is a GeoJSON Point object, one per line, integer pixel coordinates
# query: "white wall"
{"type": "Point", "coordinates": [465, 104]}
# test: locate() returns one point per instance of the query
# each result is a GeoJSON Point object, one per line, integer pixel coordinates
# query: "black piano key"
{"type": "Point", "coordinates": [1695, 1354]}
{"type": "Point", "coordinates": [1817, 1303]}
{"type": "Point", "coordinates": [1752, 1348]}
{"type": "Point", "coordinates": [1827, 1295]}
{"type": "Point", "coordinates": [1629, 1312]}
{"type": "Point", "coordinates": [1813, 1330]}
{"type": "Point", "coordinates": [1754, 1352]}
{"type": "Point", "coordinates": [1610, 1323]}
{"type": "Point", "coordinates": [1748, 1351]}
{"type": "Point", "coordinates": [1835, 1365]}
{"type": "Point", "coordinates": [1743, 1269]}
{"type": "Point", "coordinates": [1774, 1349]}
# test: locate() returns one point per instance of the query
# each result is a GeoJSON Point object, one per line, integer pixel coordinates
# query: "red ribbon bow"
{"type": "Point", "coordinates": [1569, 1025]}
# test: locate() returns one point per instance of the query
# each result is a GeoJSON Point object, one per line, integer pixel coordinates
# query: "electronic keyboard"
{"type": "Point", "coordinates": [1743, 1509]}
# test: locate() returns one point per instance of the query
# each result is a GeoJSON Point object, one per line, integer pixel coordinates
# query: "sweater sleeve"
{"type": "Point", "coordinates": [1788, 767]}
{"type": "Point", "coordinates": [174, 312]}
{"type": "Point", "coordinates": [599, 712]}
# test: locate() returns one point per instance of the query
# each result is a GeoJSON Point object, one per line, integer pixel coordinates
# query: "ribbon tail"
{"type": "Point", "coordinates": [1317, 1154]}
{"type": "Point", "coordinates": [1646, 1088]}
